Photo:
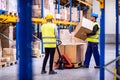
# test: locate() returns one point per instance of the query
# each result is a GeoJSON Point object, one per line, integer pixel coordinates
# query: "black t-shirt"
{"type": "Point", "coordinates": [94, 31]}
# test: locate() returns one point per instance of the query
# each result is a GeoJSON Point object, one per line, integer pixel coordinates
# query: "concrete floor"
{"type": "Point", "coordinates": [10, 73]}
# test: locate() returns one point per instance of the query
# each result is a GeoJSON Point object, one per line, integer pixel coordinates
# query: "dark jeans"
{"type": "Point", "coordinates": [92, 48]}
{"type": "Point", "coordinates": [51, 52]}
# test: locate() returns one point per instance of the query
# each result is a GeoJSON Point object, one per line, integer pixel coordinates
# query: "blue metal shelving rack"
{"type": "Point", "coordinates": [58, 24]}
{"type": "Point", "coordinates": [71, 28]}
{"type": "Point", "coordinates": [102, 44]}
{"type": "Point", "coordinates": [25, 38]}
{"type": "Point", "coordinates": [117, 32]}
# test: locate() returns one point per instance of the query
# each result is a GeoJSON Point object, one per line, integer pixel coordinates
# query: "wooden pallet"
{"type": "Point", "coordinates": [37, 56]}
{"type": "Point", "coordinates": [3, 64]}
{"type": "Point", "coordinates": [42, 55]}
{"type": "Point", "coordinates": [11, 63]}
{"type": "Point", "coordinates": [77, 65]}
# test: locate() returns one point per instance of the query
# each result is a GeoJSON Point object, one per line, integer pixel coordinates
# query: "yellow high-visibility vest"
{"type": "Point", "coordinates": [48, 35]}
{"type": "Point", "coordinates": [94, 38]}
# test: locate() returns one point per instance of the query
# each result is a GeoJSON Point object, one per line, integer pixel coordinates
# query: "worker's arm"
{"type": "Point", "coordinates": [95, 29]}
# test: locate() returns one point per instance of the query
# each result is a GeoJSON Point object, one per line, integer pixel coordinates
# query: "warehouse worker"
{"type": "Point", "coordinates": [49, 36]}
{"type": "Point", "coordinates": [93, 40]}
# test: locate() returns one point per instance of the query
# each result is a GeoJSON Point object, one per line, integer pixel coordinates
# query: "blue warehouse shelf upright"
{"type": "Point", "coordinates": [24, 32]}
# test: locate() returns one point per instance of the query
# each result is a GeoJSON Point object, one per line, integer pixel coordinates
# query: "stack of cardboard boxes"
{"type": "Point", "coordinates": [11, 6]}
{"type": "Point", "coordinates": [74, 48]}
{"type": "Point", "coordinates": [36, 11]}
{"type": "Point", "coordinates": [74, 45]}
{"type": "Point", "coordinates": [6, 36]}
{"type": "Point", "coordinates": [49, 7]}
{"type": "Point", "coordinates": [9, 53]}
{"type": "Point", "coordinates": [65, 14]}
{"type": "Point", "coordinates": [36, 51]}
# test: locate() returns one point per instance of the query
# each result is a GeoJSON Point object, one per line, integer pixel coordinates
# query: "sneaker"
{"type": "Point", "coordinates": [96, 66]}
{"type": "Point", "coordinates": [52, 72]}
{"type": "Point", "coordinates": [43, 72]}
{"type": "Point", "coordinates": [83, 66]}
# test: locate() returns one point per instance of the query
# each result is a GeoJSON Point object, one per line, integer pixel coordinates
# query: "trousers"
{"type": "Point", "coordinates": [92, 48]}
{"type": "Point", "coordinates": [48, 52]}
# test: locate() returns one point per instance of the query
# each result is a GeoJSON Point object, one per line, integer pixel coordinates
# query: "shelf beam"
{"type": "Point", "coordinates": [86, 3]}
{"type": "Point", "coordinates": [13, 19]}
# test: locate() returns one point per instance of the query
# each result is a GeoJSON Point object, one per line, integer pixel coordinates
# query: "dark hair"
{"type": "Point", "coordinates": [49, 20]}
{"type": "Point", "coordinates": [95, 17]}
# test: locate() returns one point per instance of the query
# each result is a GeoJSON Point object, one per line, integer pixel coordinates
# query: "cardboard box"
{"type": "Point", "coordinates": [3, 4]}
{"type": "Point", "coordinates": [63, 37]}
{"type": "Point", "coordinates": [11, 6]}
{"type": "Point", "coordinates": [36, 52]}
{"type": "Point", "coordinates": [5, 59]}
{"type": "Point", "coordinates": [83, 28]}
{"type": "Point", "coordinates": [9, 52]}
{"type": "Point", "coordinates": [74, 39]}
{"type": "Point", "coordinates": [63, 14]}
{"type": "Point", "coordinates": [36, 2]}
{"type": "Point", "coordinates": [36, 44]}
{"type": "Point", "coordinates": [70, 38]}
{"type": "Point", "coordinates": [36, 11]}
{"type": "Point", "coordinates": [75, 52]}
{"type": "Point", "coordinates": [7, 31]}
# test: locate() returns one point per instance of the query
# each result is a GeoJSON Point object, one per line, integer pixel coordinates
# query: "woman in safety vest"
{"type": "Point", "coordinates": [49, 35]}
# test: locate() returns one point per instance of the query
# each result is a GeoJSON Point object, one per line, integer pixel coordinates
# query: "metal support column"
{"type": "Point", "coordinates": [102, 44]}
{"type": "Point", "coordinates": [79, 8]}
{"type": "Point", "coordinates": [86, 11]}
{"type": "Point", "coordinates": [117, 31]}
{"type": "Point", "coordinates": [42, 15]}
{"type": "Point", "coordinates": [25, 39]}
{"type": "Point", "coordinates": [38, 31]}
{"type": "Point", "coordinates": [71, 28]}
{"type": "Point", "coordinates": [42, 8]}
{"type": "Point", "coordinates": [17, 39]}
{"type": "Point", "coordinates": [58, 24]}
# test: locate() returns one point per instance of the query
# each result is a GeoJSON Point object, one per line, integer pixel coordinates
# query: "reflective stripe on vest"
{"type": "Point", "coordinates": [48, 35]}
{"type": "Point", "coordinates": [94, 38]}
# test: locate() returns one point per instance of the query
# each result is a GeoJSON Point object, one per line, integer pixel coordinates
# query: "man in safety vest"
{"type": "Point", "coordinates": [49, 36]}
{"type": "Point", "coordinates": [93, 40]}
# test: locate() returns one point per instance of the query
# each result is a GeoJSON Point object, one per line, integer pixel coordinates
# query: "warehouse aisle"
{"type": "Point", "coordinates": [10, 73]}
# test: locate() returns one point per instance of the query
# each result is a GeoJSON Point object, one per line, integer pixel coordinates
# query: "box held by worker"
{"type": "Point", "coordinates": [83, 28]}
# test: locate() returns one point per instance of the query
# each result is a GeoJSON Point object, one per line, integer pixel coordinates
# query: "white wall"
{"type": "Point", "coordinates": [96, 8]}
{"type": "Point", "coordinates": [109, 15]}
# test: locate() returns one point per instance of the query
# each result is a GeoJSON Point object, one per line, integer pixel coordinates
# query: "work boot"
{"type": "Point", "coordinates": [84, 66]}
{"type": "Point", "coordinates": [96, 67]}
{"type": "Point", "coordinates": [43, 72]}
{"type": "Point", "coordinates": [52, 72]}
